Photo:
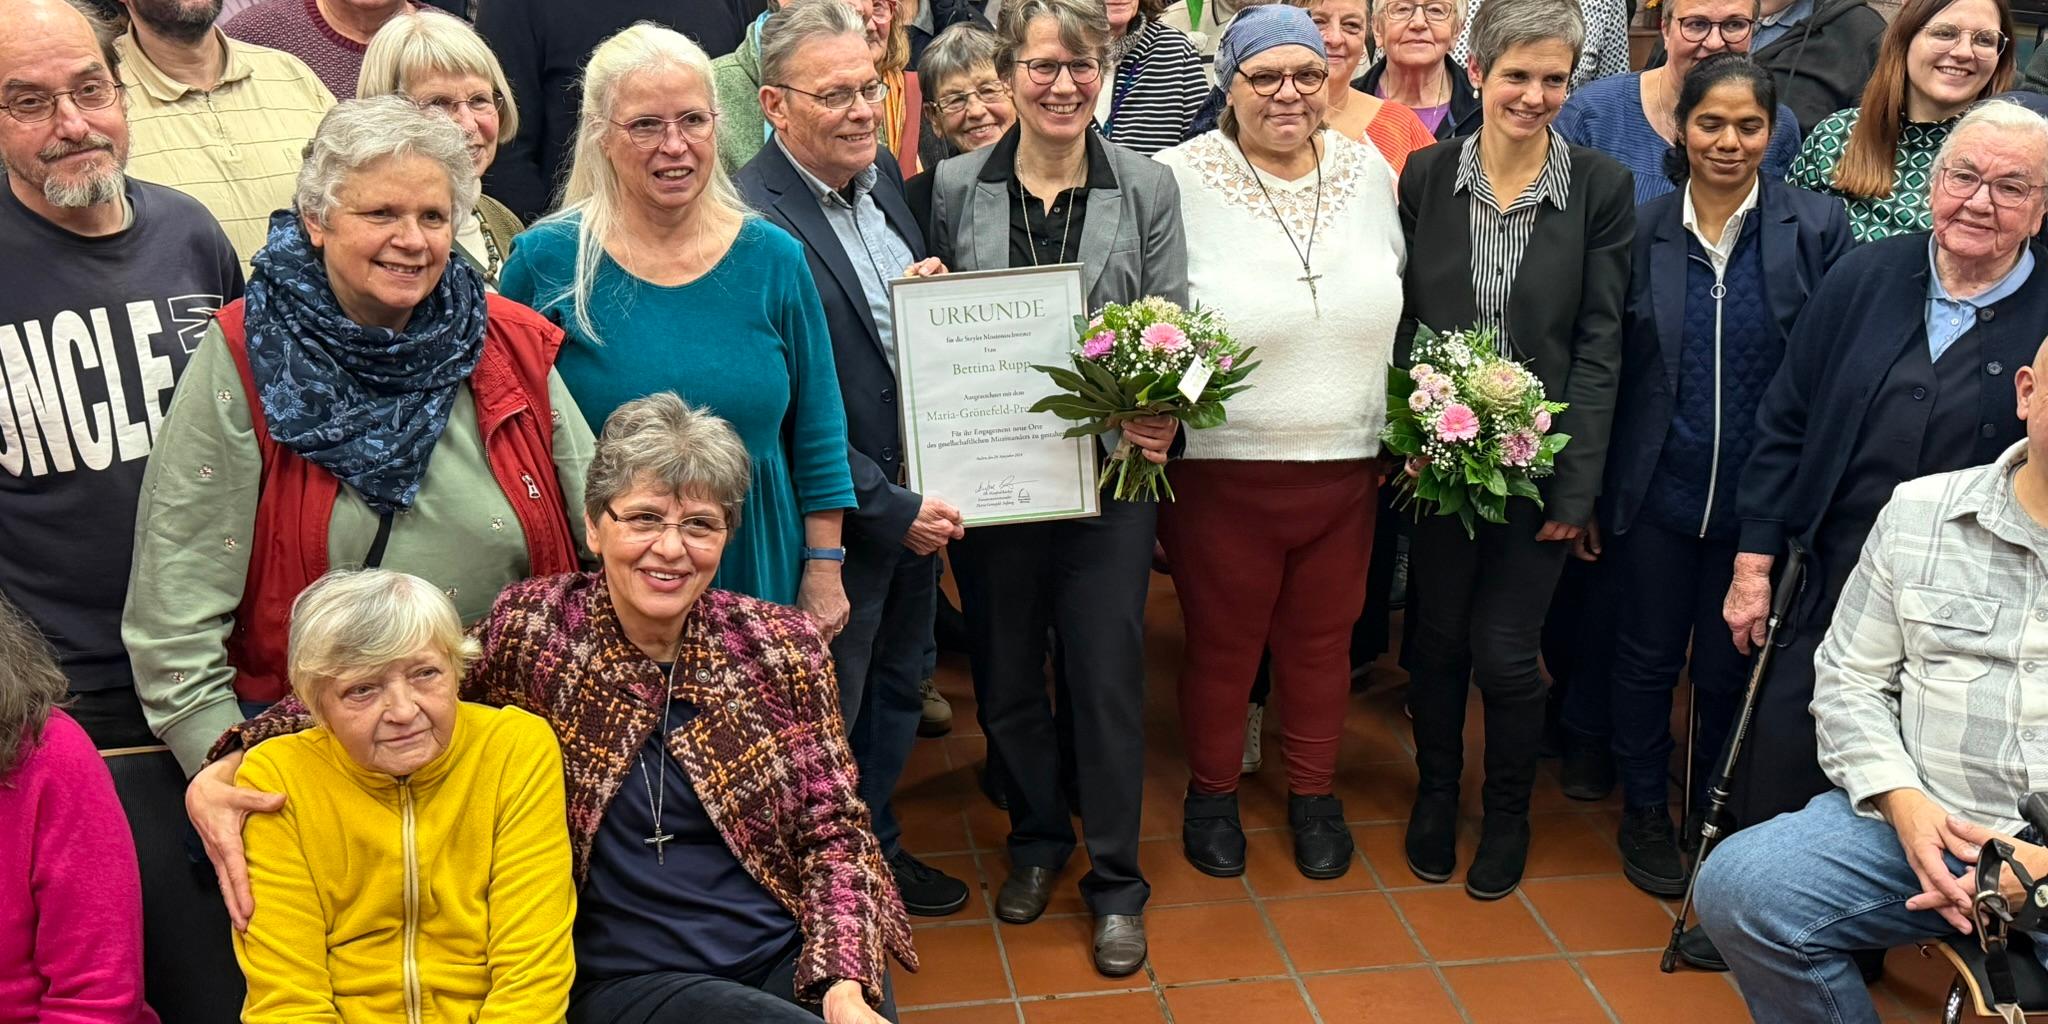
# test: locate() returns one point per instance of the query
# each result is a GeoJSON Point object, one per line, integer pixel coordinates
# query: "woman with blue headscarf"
{"type": "Point", "coordinates": [366, 403]}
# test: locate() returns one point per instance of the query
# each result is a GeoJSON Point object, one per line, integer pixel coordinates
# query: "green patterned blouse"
{"type": "Point", "coordinates": [1902, 212]}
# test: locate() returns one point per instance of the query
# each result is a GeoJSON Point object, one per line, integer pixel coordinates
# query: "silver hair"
{"type": "Point", "coordinates": [1503, 25]}
{"type": "Point", "coordinates": [358, 133]}
{"type": "Point", "coordinates": [957, 51]}
{"type": "Point", "coordinates": [2007, 119]}
{"type": "Point", "coordinates": [797, 23]}
{"type": "Point", "coordinates": [682, 448]}
{"type": "Point", "coordinates": [353, 621]}
{"type": "Point", "coordinates": [1083, 28]}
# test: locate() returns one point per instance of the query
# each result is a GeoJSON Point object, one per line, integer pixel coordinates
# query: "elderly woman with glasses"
{"type": "Point", "coordinates": [442, 64]}
{"type": "Point", "coordinates": [698, 724]}
{"type": "Point", "coordinates": [419, 868]}
{"type": "Point", "coordinates": [367, 403]}
{"type": "Point", "coordinates": [1356, 113]}
{"type": "Point", "coordinates": [969, 104]}
{"type": "Point", "coordinates": [1938, 58]}
{"type": "Point", "coordinates": [1634, 118]}
{"type": "Point", "coordinates": [1416, 69]}
{"type": "Point", "coordinates": [665, 280]}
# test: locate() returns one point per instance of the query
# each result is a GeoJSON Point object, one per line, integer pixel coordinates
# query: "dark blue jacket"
{"type": "Point", "coordinates": [1801, 235]}
{"type": "Point", "coordinates": [867, 384]}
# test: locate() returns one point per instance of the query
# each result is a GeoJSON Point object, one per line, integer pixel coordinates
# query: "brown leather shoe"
{"type": "Point", "coordinates": [1024, 894]}
{"type": "Point", "coordinates": [1119, 944]}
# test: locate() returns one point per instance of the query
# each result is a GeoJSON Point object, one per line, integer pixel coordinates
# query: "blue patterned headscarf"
{"type": "Point", "coordinates": [1257, 29]}
{"type": "Point", "coordinates": [363, 403]}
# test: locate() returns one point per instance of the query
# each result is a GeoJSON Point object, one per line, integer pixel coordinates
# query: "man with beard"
{"type": "Point", "coordinates": [219, 119]}
{"type": "Point", "coordinates": [106, 284]}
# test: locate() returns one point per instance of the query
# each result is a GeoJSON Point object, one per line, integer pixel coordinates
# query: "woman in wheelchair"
{"type": "Point", "coordinates": [70, 897]}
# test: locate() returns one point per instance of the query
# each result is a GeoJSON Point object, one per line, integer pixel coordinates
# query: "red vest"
{"type": "Point", "coordinates": [296, 501]}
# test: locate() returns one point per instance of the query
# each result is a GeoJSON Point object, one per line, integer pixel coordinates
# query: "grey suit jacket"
{"type": "Point", "coordinates": [1132, 243]}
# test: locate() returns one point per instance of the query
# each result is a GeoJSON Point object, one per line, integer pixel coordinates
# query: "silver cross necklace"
{"type": "Point", "coordinates": [1308, 276]}
{"type": "Point", "coordinates": [657, 793]}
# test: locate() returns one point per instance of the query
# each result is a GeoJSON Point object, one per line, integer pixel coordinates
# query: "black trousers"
{"type": "Point", "coordinates": [679, 997]}
{"type": "Point", "coordinates": [1086, 578]}
{"type": "Point", "coordinates": [1483, 604]}
{"type": "Point", "coordinates": [112, 718]}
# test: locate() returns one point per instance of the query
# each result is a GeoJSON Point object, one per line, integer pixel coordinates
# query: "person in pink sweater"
{"type": "Point", "coordinates": [70, 893]}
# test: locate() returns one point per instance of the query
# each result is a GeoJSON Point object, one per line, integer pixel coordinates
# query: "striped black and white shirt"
{"type": "Point", "coordinates": [1499, 234]}
{"type": "Point", "coordinates": [1154, 91]}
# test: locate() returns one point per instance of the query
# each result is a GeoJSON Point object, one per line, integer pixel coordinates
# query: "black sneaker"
{"type": "Point", "coordinates": [1697, 950]}
{"type": "Point", "coordinates": [1649, 851]}
{"type": "Point", "coordinates": [1587, 772]}
{"type": "Point", "coordinates": [926, 891]}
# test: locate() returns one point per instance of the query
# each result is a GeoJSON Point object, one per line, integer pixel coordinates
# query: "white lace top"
{"type": "Point", "coordinates": [1319, 393]}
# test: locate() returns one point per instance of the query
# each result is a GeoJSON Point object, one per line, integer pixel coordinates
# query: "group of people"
{"type": "Point", "coordinates": [257, 341]}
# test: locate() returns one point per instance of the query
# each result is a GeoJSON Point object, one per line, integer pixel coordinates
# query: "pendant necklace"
{"type": "Point", "coordinates": [1308, 276]}
{"type": "Point", "coordinates": [657, 794]}
{"type": "Point", "coordinates": [495, 258]}
{"type": "Point", "coordinates": [1064, 224]}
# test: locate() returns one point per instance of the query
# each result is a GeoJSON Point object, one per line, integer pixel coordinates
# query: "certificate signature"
{"type": "Point", "coordinates": [1008, 491]}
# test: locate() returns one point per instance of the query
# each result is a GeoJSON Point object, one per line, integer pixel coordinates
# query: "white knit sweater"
{"type": "Point", "coordinates": [1319, 393]}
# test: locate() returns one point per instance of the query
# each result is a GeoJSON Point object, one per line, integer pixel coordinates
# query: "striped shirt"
{"type": "Point", "coordinates": [1931, 674]}
{"type": "Point", "coordinates": [1154, 91]}
{"type": "Point", "coordinates": [1500, 235]}
{"type": "Point", "coordinates": [237, 147]}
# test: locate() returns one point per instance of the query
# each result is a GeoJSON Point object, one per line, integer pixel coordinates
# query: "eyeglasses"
{"type": "Point", "coordinates": [480, 105]}
{"type": "Point", "coordinates": [1267, 83]}
{"type": "Point", "coordinates": [840, 99]}
{"type": "Point", "coordinates": [646, 528]}
{"type": "Point", "coordinates": [989, 93]}
{"type": "Point", "coordinates": [31, 107]}
{"type": "Point", "coordinates": [1962, 183]}
{"type": "Point", "coordinates": [1733, 30]}
{"type": "Point", "coordinates": [650, 132]}
{"type": "Point", "coordinates": [1082, 70]}
{"type": "Point", "coordinates": [1435, 14]}
{"type": "Point", "coordinates": [1948, 37]}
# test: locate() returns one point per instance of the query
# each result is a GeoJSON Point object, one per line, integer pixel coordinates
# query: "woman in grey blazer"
{"type": "Point", "coordinates": [1052, 191]}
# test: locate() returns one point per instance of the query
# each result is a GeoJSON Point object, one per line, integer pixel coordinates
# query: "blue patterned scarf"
{"type": "Point", "coordinates": [363, 403]}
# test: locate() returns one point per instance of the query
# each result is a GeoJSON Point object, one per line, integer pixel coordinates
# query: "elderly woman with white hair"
{"type": "Point", "coordinates": [665, 280]}
{"type": "Point", "coordinates": [420, 866]}
{"type": "Point", "coordinates": [366, 403]}
{"type": "Point", "coordinates": [441, 64]}
{"type": "Point", "coordinates": [698, 724]}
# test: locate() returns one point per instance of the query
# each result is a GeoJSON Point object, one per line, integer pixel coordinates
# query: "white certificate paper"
{"type": "Point", "coordinates": [965, 347]}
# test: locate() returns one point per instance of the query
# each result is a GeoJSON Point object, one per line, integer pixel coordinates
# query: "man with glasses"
{"type": "Point", "coordinates": [1633, 118]}
{"type": "Point", "coordinates": [108, 284]}
{"type": "Point", "coordinates": [819, 179]}
{"type": "Point", "coordinates": [219, 119]}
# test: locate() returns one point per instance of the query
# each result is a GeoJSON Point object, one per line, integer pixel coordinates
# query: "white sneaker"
{"type": "Point", "coordinates": [1254, 756]}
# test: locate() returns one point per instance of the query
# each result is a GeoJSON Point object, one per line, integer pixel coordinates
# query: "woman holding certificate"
{"type": "Point", "coordinates": [1053, 192]}
{"type": "Point", "coordinates": [1274, 202]}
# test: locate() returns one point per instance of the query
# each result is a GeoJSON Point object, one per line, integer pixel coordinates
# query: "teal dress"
{"type": "Point", "coordinates": [747, 339]}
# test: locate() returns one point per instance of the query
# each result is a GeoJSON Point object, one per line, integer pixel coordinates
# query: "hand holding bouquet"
{"type": "Point", "coordinates": [1473, 425]}
{"type": "Point", "coordinates": [1148, 358]}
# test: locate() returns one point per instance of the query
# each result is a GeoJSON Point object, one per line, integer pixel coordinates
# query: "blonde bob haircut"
{"type": "Point", "coordinates": [355, 621]}
{"type": "Point", "coordinates": [593, 190]}
{"type": "Point", "coordinates": [413, 43]}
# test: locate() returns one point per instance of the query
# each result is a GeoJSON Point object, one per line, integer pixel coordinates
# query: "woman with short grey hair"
{"type": "Point", "coordinates": [366, 403]}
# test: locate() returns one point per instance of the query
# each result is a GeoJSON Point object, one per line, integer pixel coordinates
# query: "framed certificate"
{"type": "Point", "coordinates": [965, 347]}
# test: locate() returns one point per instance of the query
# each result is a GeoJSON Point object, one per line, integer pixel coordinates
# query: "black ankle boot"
{"type": "Point", "coordinates": [1322, 842]}
{"type": "Point", "coordinates": [1503, 852]}
{"type": "Point", "coordinates": [1211, 835]}
{"type": "Point", "coordinates": [1432, 841]}
{"type": "Point", "coordinates": [1649, 851]}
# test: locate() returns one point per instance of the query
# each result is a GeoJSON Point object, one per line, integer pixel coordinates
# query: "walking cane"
{"type": "Point", "coordinates": [1790, 581]}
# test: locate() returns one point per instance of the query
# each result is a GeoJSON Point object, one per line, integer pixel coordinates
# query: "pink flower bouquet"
{"type": "Point", "coordinates": [1148, 358]}
{"type": "Point", "coordinates": [1473, 425]}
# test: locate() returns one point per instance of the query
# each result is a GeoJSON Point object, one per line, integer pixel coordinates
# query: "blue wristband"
{"type": "Point", "coordinates": [824, 554]}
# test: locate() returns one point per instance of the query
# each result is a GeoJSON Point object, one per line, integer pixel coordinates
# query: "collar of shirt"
{"type": "Point", "coordinates": [1731, 231]}
{"type": "Point", "coordinates": [1553, 184]}
{"type": "Point", "coordinates": [165, 89]}
{"type": "Point", "coordinates": [2013, 280]}
{"type": "Point", "coordinates": [1991, 499]}
{"type": "Point", "coordinates": [862, 183]}
{"type": "Point", "coordinates": [1002, 160]}
{"type": "Point", "coordinates": [1792, 15]}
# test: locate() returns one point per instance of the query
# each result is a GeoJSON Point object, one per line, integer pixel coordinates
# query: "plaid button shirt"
{"type": "Point", "coordinates": [1934, 673]}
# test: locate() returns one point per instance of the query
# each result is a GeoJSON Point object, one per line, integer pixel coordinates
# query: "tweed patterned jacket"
{"type": "Point", "coordinates": [766, 751]}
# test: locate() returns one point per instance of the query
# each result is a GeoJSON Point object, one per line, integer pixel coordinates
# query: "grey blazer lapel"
{"type": "Point", "coordinates": [1098, 235]}
{"type": "Point", "coordinates": [988, 223]}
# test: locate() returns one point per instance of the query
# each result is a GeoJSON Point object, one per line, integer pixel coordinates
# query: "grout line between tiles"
{"type": "Point", "coordinates": [1598, 999]}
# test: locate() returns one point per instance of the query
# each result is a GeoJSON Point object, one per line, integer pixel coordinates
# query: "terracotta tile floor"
{"type": "Point", "coordinates": [1576, 944]}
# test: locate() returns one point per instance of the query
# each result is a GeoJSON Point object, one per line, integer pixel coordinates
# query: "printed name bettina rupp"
{"type": "Point", "coordinates": [987, 312]}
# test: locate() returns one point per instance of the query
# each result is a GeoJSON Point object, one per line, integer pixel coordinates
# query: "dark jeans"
{"type": "Point", "coordinates": [1578, 649]}
{"type": "Point", "coordinates": [112, 717]}
{"type": "Point", "coordinates": [881, 659]}
{"type": "Point", "coordinates": [676, 997]}
{"type": "Point", "coordinates": [1088, 579]}
{"type": "Point", "coordinates": [1674, 584]}
{"type": "Point", "coordinates": [1483, 604]}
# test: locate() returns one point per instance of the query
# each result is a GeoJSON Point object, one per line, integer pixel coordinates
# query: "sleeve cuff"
{"type": "Point", "coordinates": [1761, 537]}
{"type": "Point", "coordinates": [1867, 782]}
{"type": "Point", "coordinates": [191, 737]}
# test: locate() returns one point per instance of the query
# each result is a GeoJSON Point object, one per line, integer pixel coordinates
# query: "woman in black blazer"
{"type": "Point", "coordinates": [1694, 367]}
{"type": "Point", "coordinates": [1557, 301]}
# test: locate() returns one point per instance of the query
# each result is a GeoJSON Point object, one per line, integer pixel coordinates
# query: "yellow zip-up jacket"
{"type": "Point", "coordinates": [445, 897]}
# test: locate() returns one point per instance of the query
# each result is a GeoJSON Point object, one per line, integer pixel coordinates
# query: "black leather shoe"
{"type": "Point", "coordinates": [1503, 852]}
{"type": "Point", "coordinates": [1649, 851]}
{"type": "Point", "coordinates": [1432, 839]}
{"type": "Point", "coordinates": [1024, 894]}
{"type": "Point", "coordinates": [1211, 835]}
{"type": "Point", "coordinates": [1587, 771]}
{"type": "Point", "coordinates": [926, 891]}
{"type": "Point", "coordinates": [1697, 950]}
{"type": "Point", "coordinates": [1322, 842]}
{"type": "Point", "coordinates": [1119, 944]}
